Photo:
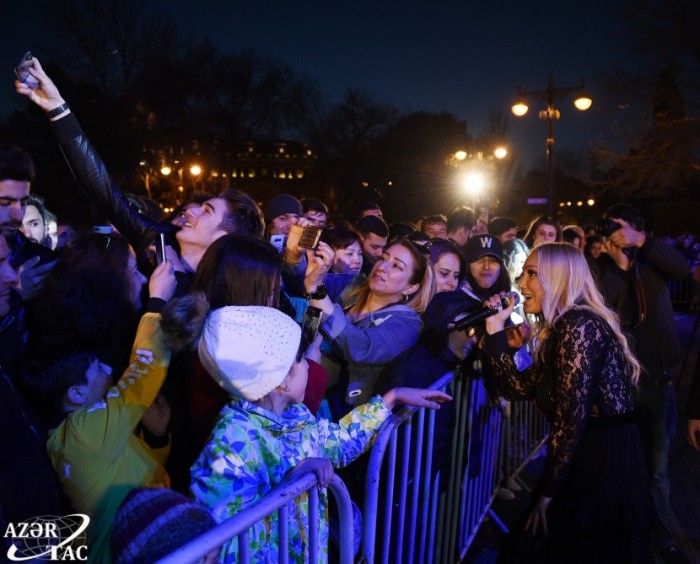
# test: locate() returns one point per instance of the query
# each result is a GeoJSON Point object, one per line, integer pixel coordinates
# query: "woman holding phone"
{"type": "Point", "coordinates": [379, 318]}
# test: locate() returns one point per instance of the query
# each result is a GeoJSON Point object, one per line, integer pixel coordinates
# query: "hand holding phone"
{"type": "Point", "coordinates": [310, 236]}
{"type": "Point", "coordinates": [160, 248]}
{"type": "Point", "coordinates": [23, 71]}
{"type": "Point", "coordinates": [311, 323]}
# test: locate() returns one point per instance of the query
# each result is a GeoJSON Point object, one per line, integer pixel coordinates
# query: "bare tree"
{"type": "Point", "coordinates": [659, 105]}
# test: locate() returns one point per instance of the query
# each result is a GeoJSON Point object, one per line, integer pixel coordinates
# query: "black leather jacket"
{"type": "Point", "coordinates": [92, 176]}
{"type": "Point", "coordinates": [94, 179]}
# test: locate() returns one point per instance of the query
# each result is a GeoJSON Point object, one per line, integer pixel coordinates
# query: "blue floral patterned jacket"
{"type": "Point", "coordinates": [252, 449]}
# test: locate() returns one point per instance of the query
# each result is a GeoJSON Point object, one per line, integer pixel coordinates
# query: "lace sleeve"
{"type": "Point", "coordinates": [578, 340]}
{"type": "Point", "coordinates": [513, 384]}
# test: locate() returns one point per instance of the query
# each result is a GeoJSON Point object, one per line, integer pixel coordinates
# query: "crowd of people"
{"type": "Point", "coordinates": [139, 383]}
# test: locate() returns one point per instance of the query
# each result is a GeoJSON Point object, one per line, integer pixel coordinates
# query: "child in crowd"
{"type": "Point", "coordinates": [154, 522]}
{"type": "Point", "coordinates": [92, 444]}
{"type": "Point", "coordinates": [265, 433]}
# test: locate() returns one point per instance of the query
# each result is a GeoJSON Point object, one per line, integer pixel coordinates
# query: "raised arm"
{"type": "Point", "coordinates": [85, 162]}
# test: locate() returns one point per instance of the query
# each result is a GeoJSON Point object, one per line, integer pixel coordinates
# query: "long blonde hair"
{"type": "Point", "coordinates": [568, 284]}
{"type": "Point", "coordinates": [422, 275]}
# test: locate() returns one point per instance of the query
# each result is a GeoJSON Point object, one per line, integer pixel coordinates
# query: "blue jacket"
{"type": "Point", "coordinates": [363, 348]}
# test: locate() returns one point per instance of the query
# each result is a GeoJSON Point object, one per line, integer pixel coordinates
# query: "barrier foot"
{"type": "Point", "coordinates": [500, 524]}
{"type": "Point", "coordinates": [523, 485]}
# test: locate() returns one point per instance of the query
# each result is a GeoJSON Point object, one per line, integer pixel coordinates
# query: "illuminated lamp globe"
{"type": "Point", "coordinates": [460, 155]}
{"type": "Point", "coordinates": [195, 170]}
{"type": "Point", "coordinates": [583, 102]}
{"type": "Point", "coordinates": [520, 108]}
{"type": "Point", "coordinates": [166, 170]}
{"type": "Point", "coordinates": [500, 153]}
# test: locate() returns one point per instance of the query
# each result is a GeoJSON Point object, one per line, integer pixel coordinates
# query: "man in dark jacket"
{"type": "Point", "coordinates": [633, 276]}
{"type": "Point", "coordinates": [28, 487]}
{"type": "Point", "coordinates": [33, 261]}
{"type": "Point", "coordinates": [230, 212]}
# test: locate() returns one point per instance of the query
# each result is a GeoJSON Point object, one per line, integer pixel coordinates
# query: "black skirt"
{"type": "Point", "coordinates": [605, 511]}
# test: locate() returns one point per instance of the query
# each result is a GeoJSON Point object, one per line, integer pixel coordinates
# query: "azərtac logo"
{"type": "Point", "coordinates": [49, 538]}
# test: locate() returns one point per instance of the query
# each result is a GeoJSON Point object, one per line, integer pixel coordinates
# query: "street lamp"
{"type": "Point", "coordinates": [551, 114]}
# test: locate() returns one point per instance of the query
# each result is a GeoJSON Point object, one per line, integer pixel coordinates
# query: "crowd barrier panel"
{"type": "Point", "coordinates": [524, 436]}
{"type": "Point", "coordinates": [684, 293]}
{"type": "Point", "coordinates": [406, 516]}
{"type": "Point", "coordinates": [277, 500]}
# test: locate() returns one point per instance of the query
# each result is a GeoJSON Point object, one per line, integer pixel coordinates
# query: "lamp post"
{"type": "Point", "coordinates": [551, 114]}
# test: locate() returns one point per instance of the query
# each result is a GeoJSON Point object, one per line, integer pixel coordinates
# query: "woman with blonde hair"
{"type": "Point", "coordinates": [593, 501]}
{"type": "Point", "coordinates": [378, 318]}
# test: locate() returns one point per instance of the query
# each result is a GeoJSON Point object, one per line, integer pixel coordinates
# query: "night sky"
{"type": "Point", "coordinates": [464, 57]}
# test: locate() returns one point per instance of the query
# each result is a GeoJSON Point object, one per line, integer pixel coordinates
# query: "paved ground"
{"type": "Point", "coordinates": [684, 469]}
{"type": "Point", "coordinates": [684, 462]}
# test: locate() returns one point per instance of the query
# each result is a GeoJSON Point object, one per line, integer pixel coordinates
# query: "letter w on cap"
{"type": "Point", "coordinates": [486, 242]}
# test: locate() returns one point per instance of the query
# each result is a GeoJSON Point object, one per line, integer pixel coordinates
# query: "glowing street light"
{"type": "Point", "coordinates": [520, 108]}
{"type": "Point", "coordinates": [551, 114]}
{"type": "Point", "coordinates": [195, 170]}
{"type": "Point", "coordinates": [500, 153]}
{"type": "Point", "coordinates": [474, 183]}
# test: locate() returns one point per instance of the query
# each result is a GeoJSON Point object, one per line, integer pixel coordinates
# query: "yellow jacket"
{"type": "Point", "coordinates": [94, 451]}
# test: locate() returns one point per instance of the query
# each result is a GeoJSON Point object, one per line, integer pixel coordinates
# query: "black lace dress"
{"type": "Point", "coordinates": [595, 470]}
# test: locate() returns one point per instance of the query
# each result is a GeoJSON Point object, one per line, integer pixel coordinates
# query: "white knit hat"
{"type": "Point", "coordinates": [249, 350]}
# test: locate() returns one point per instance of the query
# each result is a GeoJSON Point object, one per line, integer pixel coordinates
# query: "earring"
{"type": "Point", "coordinates": [404, 299]}
{"type": "Point", "coordinates": [285, 388]}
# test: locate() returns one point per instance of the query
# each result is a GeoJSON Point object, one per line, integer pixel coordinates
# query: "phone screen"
{"type": "Point", "coordinates": [311, 323]}
{"type": "Point", "coordinates": [310, 236]}
{"type": "Point", "coordinates": [22, 71]}
{"type": "Point", "coordinates": [278, 242]}
{"type": "Point", "coordinates": [160, 248]}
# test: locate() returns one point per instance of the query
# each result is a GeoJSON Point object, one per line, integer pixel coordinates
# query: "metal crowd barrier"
{"type": "Point", "coordinates": [684, 293]}
{"type": "Point", "coordinates": [406, 516]}
{"type": "Point", "coordinates": [277, 500]}
{"type": "Point", "coordinates": [525, 432]}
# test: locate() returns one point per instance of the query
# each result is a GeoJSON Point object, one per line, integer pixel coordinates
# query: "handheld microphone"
{"type": "Point", "coordinates": [482, 314]}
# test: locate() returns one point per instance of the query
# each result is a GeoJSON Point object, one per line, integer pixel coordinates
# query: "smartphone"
{"type": "Point", "coordinates": [311, 323]}
{"type": "Point", "coordinates": [103, 229]}
{"type": "Point", "coordinates": [310, 236]}
{"type": "Point", "coordinates": [160, 248]}
{"type": "Point", "coordinates": [22, 71]}
{"type": "Point", "coordinates": [278, 242]}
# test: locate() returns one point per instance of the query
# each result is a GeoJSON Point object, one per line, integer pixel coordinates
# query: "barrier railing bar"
{"type": "Point", "coordinates": [239, 525]}
{"type": "Point", "coordinates": [415, 488]}
{"type": "Point", "coordinates": [463, 511]}
{"type": "Point", "coordinates": [434, 504]}
{"type": "Point", "coordinates": [459, 447]}
{"type": "Point", "coordinates": [283, 523]}
{"type": "Point", "coordinates": [243, 548]}
{"type": "Point", "coordinates": [313, 525]}
{"type": "Point", "coordinates": [403, 489]}
{"type": "Point", "coordinates": [389, 502]}
{"type": "Point", "coordinates": [428, 499]}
